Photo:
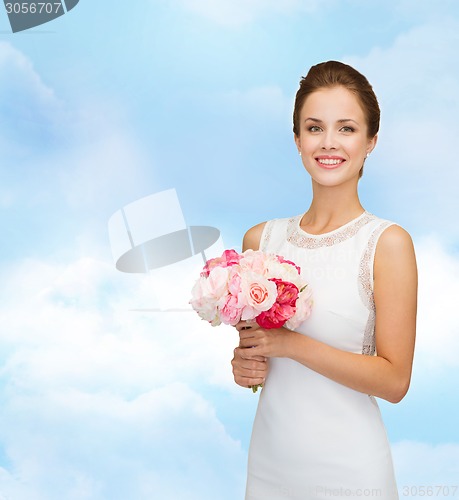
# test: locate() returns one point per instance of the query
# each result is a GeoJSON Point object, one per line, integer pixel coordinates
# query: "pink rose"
{"type": "Point", "coordinates": [229, 258]}
{"type": "Point", "coordinates": [284, 307]}
{"type": "Point", "coordinates": [257, 294]}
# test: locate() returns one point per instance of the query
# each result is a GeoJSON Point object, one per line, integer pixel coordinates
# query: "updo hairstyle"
{"type": "Point", "coordinates": [333, 74]}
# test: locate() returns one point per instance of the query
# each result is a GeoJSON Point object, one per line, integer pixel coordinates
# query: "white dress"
{"type": "Point", "coordinates": [314, 438]}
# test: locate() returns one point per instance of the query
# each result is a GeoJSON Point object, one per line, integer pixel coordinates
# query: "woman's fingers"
{"type": "Point", "coordinates": [248, 371]}
{"type": "Point", "coordinates": [249, 342]}
{"type": "Point", "coordinates": [246, 361]}
{"type": "Point", "coordinates": [251, 338]}
{"type": "Point", "coordinates": [250, 334]}
{"type": "Point", "coordinates": [247, 325]}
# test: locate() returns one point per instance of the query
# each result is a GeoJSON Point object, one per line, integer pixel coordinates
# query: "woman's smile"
{"type": "Point", "coordinates": [329, 162]}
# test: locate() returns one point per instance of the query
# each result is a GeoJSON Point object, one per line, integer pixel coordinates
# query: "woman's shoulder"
{"type": "Point", "coordinates": [393, 240]}
{"type": "Point", "coordinates": [392, 234]}
{"type": "Point", "coordinates": [253, 237]}
{"type": "Point", "coordinates": [385, 231]}
{"type": "Point", "coordinates": [395, 251]}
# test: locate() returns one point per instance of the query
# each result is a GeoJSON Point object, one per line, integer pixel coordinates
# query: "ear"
{"type": "Point", "coordinates": [372, 143]}
{"type": "Point", "coordinates": [297, 142]}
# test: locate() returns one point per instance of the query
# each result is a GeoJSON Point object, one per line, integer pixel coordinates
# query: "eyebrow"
{"type": "Point", "coordinates": [342, 120]}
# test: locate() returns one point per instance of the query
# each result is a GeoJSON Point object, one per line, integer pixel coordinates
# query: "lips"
{"type": "Point", "coordinates": [330, 162]}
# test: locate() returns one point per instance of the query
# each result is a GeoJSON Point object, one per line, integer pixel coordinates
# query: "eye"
{"type": "Point", "coordinates": [347, 129]}
{"type": "Point", "coordinates": [314, 128]}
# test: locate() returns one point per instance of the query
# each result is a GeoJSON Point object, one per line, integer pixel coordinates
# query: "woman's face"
{"type": "Point", "coordinates": [333, 139]}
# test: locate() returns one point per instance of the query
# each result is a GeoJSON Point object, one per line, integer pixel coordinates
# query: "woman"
{"type": "Point", "coordinates": [318, 432]}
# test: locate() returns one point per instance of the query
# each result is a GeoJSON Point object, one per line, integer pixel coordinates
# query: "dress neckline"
{"type": "Point", "coordinates": [333, 231]}
{"type": "Point", "coordinates": [301, 238]}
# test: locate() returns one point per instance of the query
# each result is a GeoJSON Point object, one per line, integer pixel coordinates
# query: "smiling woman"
{"type": "Point", "coordinates": [337, 142]}
{"type": "Point", "coordinates": [336, 76]}
{"type": "Point", "coordinates": [318, 428]}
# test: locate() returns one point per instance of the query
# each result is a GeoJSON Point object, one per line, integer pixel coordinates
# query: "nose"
{"type": "Point", "coordinates": [329, 140]}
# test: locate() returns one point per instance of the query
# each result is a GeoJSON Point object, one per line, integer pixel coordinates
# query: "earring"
{"type": "Point", "coordinates": [299, 152]}
{"type": "Point", "coordinates": [368, 154]}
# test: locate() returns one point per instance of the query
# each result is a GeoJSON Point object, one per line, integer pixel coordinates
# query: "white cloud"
{"type": "Point", "coordinates": [111, 400]}
{"type": "Point", "coordinates": [66, 166]}
{"type": "Point", "coordinates": [423, 9]}
{"type": "Point", "coordinates": [417, 82]}
{"type": "Point", "coordinates": [438, 325]}
{"type": "Point", "coordinates": [102, 402]}
{"type": "Point", "coordinates": [30, 110]}
{"type": "Point", "coordinates": [425, 465]}
{"type": "Point", "coordinates": [74, 325]}
{"type": "Point", "coordinates": [166, 443]}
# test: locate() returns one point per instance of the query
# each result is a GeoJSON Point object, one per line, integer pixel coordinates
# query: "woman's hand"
{"type": "Point", "coordinates": [248, 370]}
{"type": "Point", "coordinates": [275, 342]}
{"type": "Point", "coordinates": [256, 345]}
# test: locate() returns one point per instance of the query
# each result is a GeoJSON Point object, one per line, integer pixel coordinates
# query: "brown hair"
{"type": "Point", "coordinates": [334, 74]}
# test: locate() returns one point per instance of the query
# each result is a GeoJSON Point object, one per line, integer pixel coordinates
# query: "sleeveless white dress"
{"type": "Point", "coordinates": [314, 438]}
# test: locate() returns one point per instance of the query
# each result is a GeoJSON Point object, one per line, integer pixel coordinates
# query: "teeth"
{"type": "Point", "coordinates": [329, 161]}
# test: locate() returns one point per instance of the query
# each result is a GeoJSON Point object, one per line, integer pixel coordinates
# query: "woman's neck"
{"type": "Point", "coordinates": [331, 207]}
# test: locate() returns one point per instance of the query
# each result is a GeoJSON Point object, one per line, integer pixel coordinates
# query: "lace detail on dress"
{"type": "Point", "coordinates": [300, 238]}
{"type": "Point", "coordinates": [369, 345]}
{"type": "Point", "coordinates": [366, 288]}
{"type": "Point", "coordinates": [266, 235]}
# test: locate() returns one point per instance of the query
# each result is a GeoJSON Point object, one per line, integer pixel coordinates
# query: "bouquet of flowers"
{"type": "Point", "coordinates": [252, 286]}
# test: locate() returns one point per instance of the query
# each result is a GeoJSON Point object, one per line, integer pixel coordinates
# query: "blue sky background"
{"type": "Point", "coordinates": [115, 101]}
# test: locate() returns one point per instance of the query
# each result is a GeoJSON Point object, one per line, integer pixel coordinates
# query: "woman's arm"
{"type": "Point", "coordinates": [386, 375]}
